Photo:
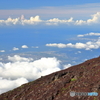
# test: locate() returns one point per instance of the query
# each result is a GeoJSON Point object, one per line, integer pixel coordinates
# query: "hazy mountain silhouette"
{"type": "Point", "coordinates": [84, 77]}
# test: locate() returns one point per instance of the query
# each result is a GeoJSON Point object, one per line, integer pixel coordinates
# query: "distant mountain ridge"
{"type": "Point", "coordinates": [84, 77]}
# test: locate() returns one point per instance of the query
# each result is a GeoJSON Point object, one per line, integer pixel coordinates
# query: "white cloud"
{"type": "Point", "coordinates": [60, 45]}
{"type": "Point", "coordinates": [16, 58]}
{"type": "Point", "coordinates": [2, 50]}
{"type": "Point", "coordinates": [94, 20]}
{"type": "Point", "coordinates": [67, 66]}
{"type": "Point", "coordinates": [89, 34]}
{"type": "Point", "coordinates": [14, 48]}
{"type": "Point", "coordinates": [22, 17]}
{"type": "Point", "coordinates": [20, 21]}
{"type": "Point", "coordinates": [87, 46]}
{"type": "Point", "coordinates": [24, 46]}
{"type": "Point", "coordinates": [27, 68]}
{"type": "Point", "coordinates": [80, 35]}
{"type": "Point", "coordinates": [31, 21]}
{"type": "Point", "coordinates": [7, 84]}
{"type": "Point", "coordinates": [54, 21]}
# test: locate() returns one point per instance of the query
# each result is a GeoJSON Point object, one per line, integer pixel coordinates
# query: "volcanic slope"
{"type": "Point", "coordinates": [84, 77]}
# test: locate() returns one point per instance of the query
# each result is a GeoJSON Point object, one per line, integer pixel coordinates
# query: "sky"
{"type": "Point", "coordinates": [38, 38]}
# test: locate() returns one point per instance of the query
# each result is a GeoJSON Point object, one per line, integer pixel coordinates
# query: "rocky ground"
{"type": "Point", "coordinates": [84, 77]}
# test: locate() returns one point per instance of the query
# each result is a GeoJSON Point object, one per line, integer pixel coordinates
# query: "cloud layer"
{"type": "Point", "coordinates": [89, 34]}
{"type": "Point", "coordinates": [87, 46]}
{"type": "Point", "coordinates": [20, 70]}
{"type": "Point", "coordinates": [26, 67]}
{"type": "Point", "coordinates": [54, 21]}
{"type": "Point", "coordinates": [24, 46]}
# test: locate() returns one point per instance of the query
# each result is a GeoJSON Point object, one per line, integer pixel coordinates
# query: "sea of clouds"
{"type": "Point", "coordinates": [20, 70]}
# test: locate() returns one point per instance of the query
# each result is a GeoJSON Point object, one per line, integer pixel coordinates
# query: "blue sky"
{"type": "Point", "coordinates": [38, 38]}
{"type": "Point", "coordinates": [24, 4]}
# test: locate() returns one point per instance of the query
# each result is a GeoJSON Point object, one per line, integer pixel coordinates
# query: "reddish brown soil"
{"type": "Point", "coordinates": [84, 77]}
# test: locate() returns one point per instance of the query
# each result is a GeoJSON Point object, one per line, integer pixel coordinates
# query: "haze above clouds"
{"type": "Point", "coordinates": [62, 11]}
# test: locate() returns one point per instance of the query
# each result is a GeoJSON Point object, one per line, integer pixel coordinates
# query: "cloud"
{"type": "Point", "coordinates": [20, 70]}
{"type": "Point", "coordinates": [32, 20]}
{"type": "Point", "coordinates": [20, 21]}
{"type": "Point", "coordinates": [56, 21]}
{"type": "Point", "coordinates": [95, 19]}
{"type": "Point", "coordinates": [7, 84]}
{"type": "Point", "coordinates": [2, 50]}
{"type": "Point", "coordinates": [14, 48]}
{"type": "Point", "coordinates": [89, 34]}
{"type": "Point", "coordinates": [16, 58]}
{"type": "Point", "coordinates": [87, 46]}
{"type": "Point", "coordinates": [24, 46]}
{"type": "Point", "coordinates": [60, 45]}
{"type": "Point", "coordinates": [28, 68]}
{"type": "Point", "coordinates": [24, 67]}
{"type": "Point", "coordinates": [67, 66]}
